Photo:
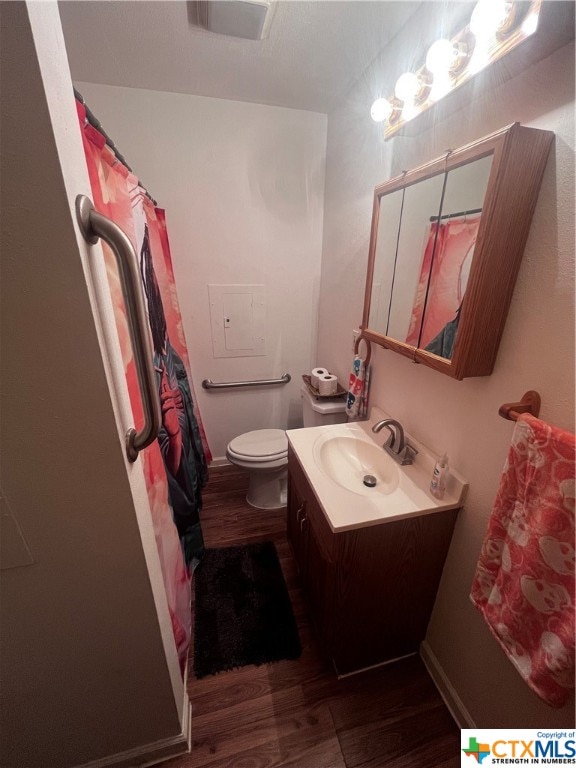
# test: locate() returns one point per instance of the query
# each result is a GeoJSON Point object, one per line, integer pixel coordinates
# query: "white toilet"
{"type": "Point", "coordinates": [264, 452]}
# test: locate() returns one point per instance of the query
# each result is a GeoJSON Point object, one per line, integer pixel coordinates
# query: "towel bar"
{"type": "Point", "coordinates": [530, 403]}
{"type": "Point", "coordinates": [209, 384]}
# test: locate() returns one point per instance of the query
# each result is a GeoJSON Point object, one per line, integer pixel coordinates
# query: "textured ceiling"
{"type": "Point", "coordinates": [315, 52]}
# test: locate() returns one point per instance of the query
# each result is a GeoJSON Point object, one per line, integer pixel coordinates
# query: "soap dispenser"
{"type": "Point", "coordinates": [439, 477]}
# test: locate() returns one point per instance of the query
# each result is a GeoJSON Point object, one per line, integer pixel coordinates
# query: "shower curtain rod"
{"type": "Point", "coordinates": [454, 215]}
{"type": "Point", "coordinates": [95, 123]}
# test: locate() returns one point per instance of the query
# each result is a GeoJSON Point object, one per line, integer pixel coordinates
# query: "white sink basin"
{"type": "Point", "coordinates": [336, 458]}
{"type": "Point", "coordinates": [348, 460]}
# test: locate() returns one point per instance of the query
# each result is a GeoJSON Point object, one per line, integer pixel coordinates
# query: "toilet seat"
{"type": "Point", "coordinates": [260, 445]}
{"type": "Point", "coordinates": [264, 454]}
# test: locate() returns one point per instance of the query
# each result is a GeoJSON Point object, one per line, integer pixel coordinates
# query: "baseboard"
{"type": "Point", "coordinates": [220, 461]}
{"type": "Point", "coordinates": [462, 717]}
{"type": "Point", "coordinates": [153, 753]}
{"type": "Point", "coordinates": [187, 714]}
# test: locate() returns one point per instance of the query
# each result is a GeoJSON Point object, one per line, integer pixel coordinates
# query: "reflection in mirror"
{"type": "Point", "coordinates": [444, 278]}
{"type": "Point", "coordinates": [421, 201]}
{"type": "Point", "coordinates": [385, 259]}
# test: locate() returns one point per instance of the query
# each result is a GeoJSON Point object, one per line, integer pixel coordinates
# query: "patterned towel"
{"type": "Point", "coordinates": [355, 388]}
{"type": "Point", "coordinates": [524, 583]}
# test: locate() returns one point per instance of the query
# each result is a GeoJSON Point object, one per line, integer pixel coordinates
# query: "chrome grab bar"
{"type": "Point", "coordinates": [209, 384]}
{"type": "Point", "coordinates": [94, 225]}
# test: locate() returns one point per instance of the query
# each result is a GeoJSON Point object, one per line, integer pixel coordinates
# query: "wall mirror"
{"type": "Point", "coordinates": [446, 243]}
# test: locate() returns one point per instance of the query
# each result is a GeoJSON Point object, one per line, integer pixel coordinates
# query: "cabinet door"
{"type": "Point", "coordinates": [314, 548]}
{"type": "Point", "coordinates": [319, 579]}
{"type": "Point", "coordinates": [296, 526]}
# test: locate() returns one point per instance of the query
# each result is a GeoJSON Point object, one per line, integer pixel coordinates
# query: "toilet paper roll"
{"type": "Point", "coordinates": [327, 384]}
{"type": "Point", "coordinates": [315, 376]}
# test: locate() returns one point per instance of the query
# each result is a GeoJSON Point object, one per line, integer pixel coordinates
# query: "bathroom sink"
{"type": "Point", "coordinates": [348, 460]}
{"type": "Point", "coordinates": [336, 458]}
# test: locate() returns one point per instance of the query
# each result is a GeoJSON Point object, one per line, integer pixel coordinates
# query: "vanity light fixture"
{"type": "Point", "coordinates": [530, 24]}
{"type": "Point", "coordinates": [496, 27]}
{"type": "Point", "coordinates": [407, 87]}
{"type": "Point", "coordinates": [381, 110]}
{"type": "Point", "coordinates": [491, 17]}
{"type": "Point", "coordinates": [446, 58]}
{"type": "Point", "coordinates": [411, 91]}
{"type": "Point", "coordinates": [384, 110]}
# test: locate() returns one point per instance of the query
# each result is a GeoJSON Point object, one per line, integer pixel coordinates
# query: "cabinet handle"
{"type": "Point", "coordinates": [299, 511]}
{"type": "Point", "coordinates": [304, 520]}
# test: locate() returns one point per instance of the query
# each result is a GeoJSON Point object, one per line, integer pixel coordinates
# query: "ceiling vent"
{"type": "Point", "coordinates": [249, 19]}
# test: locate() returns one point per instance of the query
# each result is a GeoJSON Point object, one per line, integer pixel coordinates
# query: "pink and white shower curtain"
{"type": "Point", "coordinates": [175, 465]}
{"type": "Point", "coordinates": [443, 275]}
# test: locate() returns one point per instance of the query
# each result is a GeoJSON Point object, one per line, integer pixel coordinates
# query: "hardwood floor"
{"type": "Point", "coordinates": [297, 713]}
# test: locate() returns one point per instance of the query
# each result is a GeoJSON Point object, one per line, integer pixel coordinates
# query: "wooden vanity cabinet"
{"type": "Point", "coordinates": [370, 590]}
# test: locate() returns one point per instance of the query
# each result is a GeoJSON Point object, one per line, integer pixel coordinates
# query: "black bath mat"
{"type": "Point", "coordinates": [243, 614]}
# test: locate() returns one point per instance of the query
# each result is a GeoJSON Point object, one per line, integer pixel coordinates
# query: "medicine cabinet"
{"type": "Point", "coordinates": [446, 243]}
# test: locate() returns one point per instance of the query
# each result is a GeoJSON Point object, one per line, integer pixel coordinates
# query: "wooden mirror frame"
{"type": "Point", "coordinates": [519, 159]}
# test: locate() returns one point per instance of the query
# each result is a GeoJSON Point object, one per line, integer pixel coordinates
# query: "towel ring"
{"type": "Point", "coordinates": [368, 347]}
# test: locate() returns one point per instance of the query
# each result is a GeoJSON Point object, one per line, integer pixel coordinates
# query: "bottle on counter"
{"type": "Point", "coordinates": [439, 477]}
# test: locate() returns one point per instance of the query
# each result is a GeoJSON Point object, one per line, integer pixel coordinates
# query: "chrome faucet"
{"type": "Point", "coordinates": [396, 445]}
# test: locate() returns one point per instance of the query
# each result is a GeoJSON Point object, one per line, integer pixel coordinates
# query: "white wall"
{"type": "Point", "coordinates": [537, 349]}
{"type": "Point", "coordinates": [243, 186]}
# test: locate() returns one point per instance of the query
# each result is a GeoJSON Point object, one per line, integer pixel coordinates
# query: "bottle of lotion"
{"type": "Point", "coordinates": [439, 477]}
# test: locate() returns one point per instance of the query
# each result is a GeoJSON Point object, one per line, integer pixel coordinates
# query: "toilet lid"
{"type": "Point", "coordinates": [260, 444]}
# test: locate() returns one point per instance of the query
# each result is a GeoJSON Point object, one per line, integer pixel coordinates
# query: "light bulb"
{"type": "Point", "coordinates": [441, 57]}
{"type": "Point", "coordinates": [381, 110]}
{"type": "Point", "coordinates": [487, 17]}
{"type": "Point", "coordinates": [530, 24]}
{"type": "Point", "coordinates": [407, 87]}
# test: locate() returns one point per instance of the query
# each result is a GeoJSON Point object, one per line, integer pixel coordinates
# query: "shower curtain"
{"type": "Point", "coordinates": [175, 466]}
{"type": "Point", "coordinates": [444, 275]}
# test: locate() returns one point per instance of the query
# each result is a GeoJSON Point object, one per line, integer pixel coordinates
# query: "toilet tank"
{"type": "Point", "coordinates": [319, 411]}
